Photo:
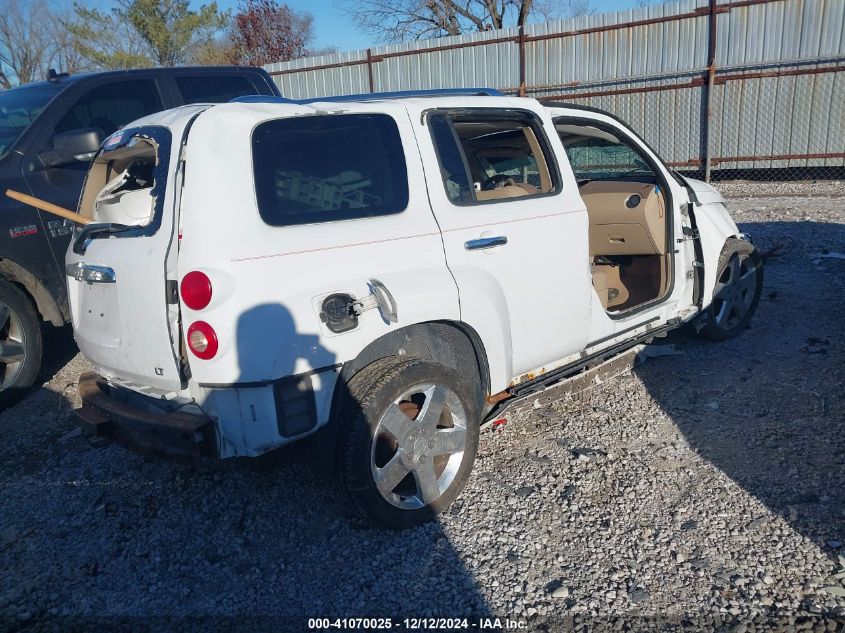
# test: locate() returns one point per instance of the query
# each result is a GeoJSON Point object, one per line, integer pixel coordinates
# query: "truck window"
{"type": "Point", "coordinates": [112, 106]}
{"type": "Point", "coordinates": [213, 88]}
{"type": "Point", "coordinates": [486, 157]}
{"type": "Point", "coordinates": [19, 108]}
{"type": "Point", "coordinates": [326, 168]}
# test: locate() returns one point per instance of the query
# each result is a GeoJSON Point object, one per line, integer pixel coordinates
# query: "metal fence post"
{"type": "Point", "coordinates": [521, 60]}
{"type": "Point", "coordinates": [370, 69]}
{"type": "Point", "coordinates": [708, 97]}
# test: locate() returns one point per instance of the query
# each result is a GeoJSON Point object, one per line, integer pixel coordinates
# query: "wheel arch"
{"type": "Point", "coordinates": [715, 228]}
{"type": "Point", "coordinates": [451, 343]}
{"type": "Point", "coordinates": [45, 303]}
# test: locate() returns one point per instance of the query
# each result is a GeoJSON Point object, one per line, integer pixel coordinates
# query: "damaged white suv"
{"type": "Point", "coordinates": [389, 270]}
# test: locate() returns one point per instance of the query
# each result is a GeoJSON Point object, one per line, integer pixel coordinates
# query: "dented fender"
{"type": "Point", "coordinates": [715, 226]}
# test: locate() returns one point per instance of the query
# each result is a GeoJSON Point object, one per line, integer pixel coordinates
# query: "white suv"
{"type": "Point", "coordinates": [388, 270]}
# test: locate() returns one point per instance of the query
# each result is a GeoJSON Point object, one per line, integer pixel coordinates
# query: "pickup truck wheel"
{"type": "Point", "coordinates": [20, 342]}
{"type": "Point", "coordinates": [407, 440]}
{"type": "Point", "coordinates": [739, 281]}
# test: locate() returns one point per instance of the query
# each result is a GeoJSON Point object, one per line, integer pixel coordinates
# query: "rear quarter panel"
{"type": "Point", "coordinates": [269, 281]}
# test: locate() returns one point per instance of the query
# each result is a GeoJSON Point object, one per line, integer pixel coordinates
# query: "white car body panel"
{"type": "Point", "coordinates": [529, 285]}
{"type": "Point", "coordinates": [530, 302]}
{"type": "Point", "coordinates": [126, 328]}
{"type": "Point", "coordinates": [268, 321]}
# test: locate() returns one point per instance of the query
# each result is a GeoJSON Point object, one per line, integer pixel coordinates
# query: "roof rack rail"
{"type": "Point", "coordinates": [406, 94]}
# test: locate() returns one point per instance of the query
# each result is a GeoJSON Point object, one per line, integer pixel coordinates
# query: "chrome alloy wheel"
{"type": "Point", "coordinates": [12, 346]}
{"type": "Point", "coordinates": [418, 446]}
{"type": "Point", "coordinates": [735, 289]}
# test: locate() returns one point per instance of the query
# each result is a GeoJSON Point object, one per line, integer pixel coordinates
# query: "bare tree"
{"type": "Point", "coordinates": [33, 39]}
{"type": "Point", "coordinates": [24, 42]}
{"type": "Point", "coordinates": [545, 10]}
{"type": "Point", "coordinates": [402, 20]}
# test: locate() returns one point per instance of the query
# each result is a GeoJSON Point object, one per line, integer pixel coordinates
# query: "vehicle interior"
{"type": "Point", "coordinates": [628, 215]}
{"type": "Point", "coordinates": [119, 185]}
{"type": "Point", "coordinates": [504, 159]}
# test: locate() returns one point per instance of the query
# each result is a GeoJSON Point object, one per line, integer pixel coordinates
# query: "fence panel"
{"type": "Point", "coordinates": [722, 88]}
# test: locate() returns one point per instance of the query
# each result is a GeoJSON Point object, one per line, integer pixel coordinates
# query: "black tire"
{"type": "Point", "coordinates": [20, 330]}
{"type": "Point", "coordinates": [361, 437]}
{"type": "Point", "coordinates": [735, 298]}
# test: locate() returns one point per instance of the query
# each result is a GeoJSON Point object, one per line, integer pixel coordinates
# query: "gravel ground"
{"type": "Point", "coordinates": [703, 490]}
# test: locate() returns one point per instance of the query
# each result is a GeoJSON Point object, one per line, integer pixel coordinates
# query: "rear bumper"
{"type": "Point", "coordinates": [170, 434]}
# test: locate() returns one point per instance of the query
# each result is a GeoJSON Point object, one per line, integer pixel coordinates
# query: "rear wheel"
{"type": "Point", "coordinates": [20, 342]}
{"type": "Point", "coordinates": [739, 281]}
{"type": "Point", "coordinates": [408, 435]}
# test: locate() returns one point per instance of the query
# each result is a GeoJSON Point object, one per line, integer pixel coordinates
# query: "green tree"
{"type": "Point", "coordinates": [145, 32]}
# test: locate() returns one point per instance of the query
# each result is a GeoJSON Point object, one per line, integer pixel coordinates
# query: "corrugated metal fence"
{"type": "Point", "coordinates": [750, 88]}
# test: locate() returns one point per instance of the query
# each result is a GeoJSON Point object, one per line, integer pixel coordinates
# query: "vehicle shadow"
{"type": "Point", "coordinates": [766, 407]}
{"type": "Point", "coordinates": [59, 348]}
{"type": "Point", "coordinates": [261, 543]}
{"type": "Point", "coordinates": [327, 560]}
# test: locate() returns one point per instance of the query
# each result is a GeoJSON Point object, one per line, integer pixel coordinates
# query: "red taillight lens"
{"type": "Point", "coordinates": [196, 290]}
{"type": "Point", "coordinates": [202, 340]}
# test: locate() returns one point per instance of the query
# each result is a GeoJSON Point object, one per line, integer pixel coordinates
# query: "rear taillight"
{"type": "Point", "coordinates": [202, 340]}
{"type": "Point", "coordinates": [196, 290]}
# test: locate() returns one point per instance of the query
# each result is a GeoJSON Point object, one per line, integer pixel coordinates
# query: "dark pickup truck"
{"type": "Point", "coordinates": [49, 131]}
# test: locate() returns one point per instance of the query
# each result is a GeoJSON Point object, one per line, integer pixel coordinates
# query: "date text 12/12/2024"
{"type": "Point", "coordinates": [417, 624]}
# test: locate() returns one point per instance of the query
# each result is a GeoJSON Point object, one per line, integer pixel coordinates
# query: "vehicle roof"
{"type": "Point", "coordinates": [261, 109]}
{"type": "Point", "coordinates": [65, 80]}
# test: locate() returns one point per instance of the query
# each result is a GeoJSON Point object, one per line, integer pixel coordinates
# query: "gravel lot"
{"type": "Point", "coordinates": [713, 496]}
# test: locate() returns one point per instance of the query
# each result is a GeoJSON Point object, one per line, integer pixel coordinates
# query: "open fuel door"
{"type": "Point", "coordinates": [121, 268]}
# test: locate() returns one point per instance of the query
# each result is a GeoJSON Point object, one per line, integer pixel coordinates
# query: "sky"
{"type": "Point", "coordinates": [333, 28]}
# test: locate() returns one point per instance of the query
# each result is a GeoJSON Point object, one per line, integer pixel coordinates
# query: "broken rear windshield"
{"type": "Point", "coordinates": [328, 167]}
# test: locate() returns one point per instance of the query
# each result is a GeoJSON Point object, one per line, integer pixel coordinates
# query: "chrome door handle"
{"type": "Point", "coordinates": [485, 242]}
{"type": "Point", "coordinates": [91, 274]}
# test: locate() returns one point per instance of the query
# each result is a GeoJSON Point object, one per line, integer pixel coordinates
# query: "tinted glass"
{"type": "Point", "coordinates": [112, 106]}
{"type": "Point", "coordinates": [213, 89]}
{"type": "Point", "coordinates": [19, 108]}
{"type": "Point", "coordinates": [323, 168]}
{"type": "Point", "coordinates": [452, 168]}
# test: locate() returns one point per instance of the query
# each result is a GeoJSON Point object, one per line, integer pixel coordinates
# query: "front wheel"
{"type": "Point", "coordinates": [20, 342]}
{"type": "Point", "coordinates": [408, 435]}
{"type": "Point", "coordinates": [739, 282]}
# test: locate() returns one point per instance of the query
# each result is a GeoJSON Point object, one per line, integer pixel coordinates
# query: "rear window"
{"type": "Point", "coordinates": [329, 167]}
{"type": "Point", "coordinates": [213, 88]}
{"type": "Point", "coordinates": [126, 182]}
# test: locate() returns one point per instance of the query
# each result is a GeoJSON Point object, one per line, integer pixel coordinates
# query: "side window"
{"type": "Point", "coordinates": [214, 88]}
{"type": "Point", "coordinates": [331, 167]}
{"type": "Point", "coordinates": [112, 106]}
{"type": "Point", "coordinates": [596, 154]}
{"type": "Point", "coordinates": [486, 158]}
